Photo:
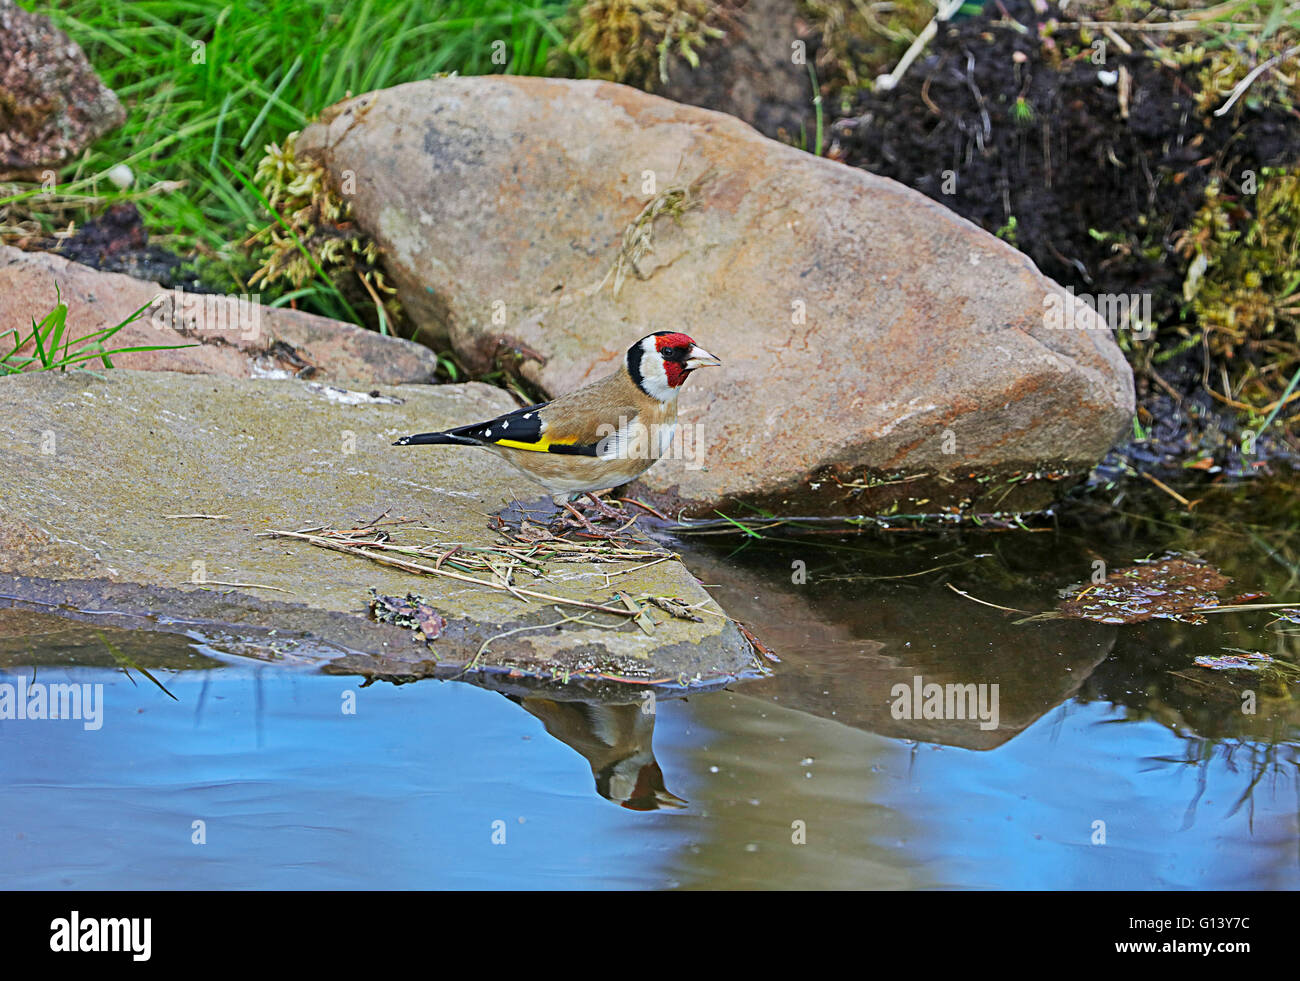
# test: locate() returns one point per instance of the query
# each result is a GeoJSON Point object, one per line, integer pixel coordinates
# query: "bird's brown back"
{"type": "Point", "coordinates": [610, 402]}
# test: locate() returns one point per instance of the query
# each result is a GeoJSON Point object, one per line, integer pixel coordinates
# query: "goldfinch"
{"type": "Point", "coordinates": [601, 436]}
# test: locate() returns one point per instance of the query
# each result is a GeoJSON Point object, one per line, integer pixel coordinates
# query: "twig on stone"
{"type": "Point", "coordinates": [473, 662]}
{"type": "Point", "coordinates": [354, 549]}
{"type": "Point", "coordinates": [241, 585]}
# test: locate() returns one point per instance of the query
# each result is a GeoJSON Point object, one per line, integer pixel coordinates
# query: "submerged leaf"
{"type": "Point", "coordinates": [125, 662]}
{"type": "Point", "coordinates": [1246, 661]}
{"type": "Point", "coordinates": [1173, 587]}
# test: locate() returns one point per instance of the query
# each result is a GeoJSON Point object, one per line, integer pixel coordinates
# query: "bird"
{"type": "Point", "coordinates": [597, 437]}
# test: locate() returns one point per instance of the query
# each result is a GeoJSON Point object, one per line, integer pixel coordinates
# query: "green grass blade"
{"type": "Point", "coordinates": [748, 531]}
{"type": "Point", "coordinates": [1291, 386]}
{"type": "Point", "coordinates": [36, 337]}
{"type": "Point", "coordinates": [125, 661]}
{"type": "Point", "coordinates": [266, 106]}
{"type": "Point", "coordinates": [104, 355]}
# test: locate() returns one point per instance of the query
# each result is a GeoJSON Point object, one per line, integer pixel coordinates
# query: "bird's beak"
{"type": "Point", "coordinates": [701, 358]}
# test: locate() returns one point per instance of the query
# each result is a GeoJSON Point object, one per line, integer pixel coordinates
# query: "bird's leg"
{"type": "Point", "coordinates": [605, 509]}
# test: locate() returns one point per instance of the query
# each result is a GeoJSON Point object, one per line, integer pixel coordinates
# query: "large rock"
{"type": "Point", "coordinates": [880, 352]}
{"type": "Point", "coordinates": [94, 473]}
{"type": "Point", "coordinates": [236, 335]}
{"type": "Point", "coordinates": [51, 102]}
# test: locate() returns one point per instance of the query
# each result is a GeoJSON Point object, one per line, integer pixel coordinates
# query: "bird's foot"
{"type": "Point", "coordinates": [576, 518]}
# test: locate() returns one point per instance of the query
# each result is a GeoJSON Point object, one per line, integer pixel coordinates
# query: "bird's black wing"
{"type": "Point", "coordinates": [523, 426]}
{"type": "Point", "coordinates": [522, 429]}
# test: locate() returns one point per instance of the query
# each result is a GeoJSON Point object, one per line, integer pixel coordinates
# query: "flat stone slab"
{"type": "Point", "coordinates": [95, 472]}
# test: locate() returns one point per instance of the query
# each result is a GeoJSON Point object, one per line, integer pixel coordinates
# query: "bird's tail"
{"type": "Point", "coordinates": [436, 439]}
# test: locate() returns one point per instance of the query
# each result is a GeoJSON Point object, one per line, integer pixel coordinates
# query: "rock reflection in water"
{"type": "Point", "coordinates": [846, 649]}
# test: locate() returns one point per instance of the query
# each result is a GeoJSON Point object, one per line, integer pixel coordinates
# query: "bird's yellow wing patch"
{"type": "Point", "coordinates": [541, 445]}
{"type": "Point", "coordinates": [524, 429]}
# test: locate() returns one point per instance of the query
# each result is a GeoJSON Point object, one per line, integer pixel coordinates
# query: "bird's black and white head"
{"type": "Point", "coordinates": [661, 362]}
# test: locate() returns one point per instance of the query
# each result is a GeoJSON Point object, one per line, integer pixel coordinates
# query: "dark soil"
{"type": "Point", "coordinates": [1184, 437]}
{"type": "Point", "coordinates": [116, 241]}
{"type": "Point", "coordinates": [1098, 196]}
{"type": "Point", "coordinates": [751, 74]}
{"type": "Point", "coordinates": [1020, 132]}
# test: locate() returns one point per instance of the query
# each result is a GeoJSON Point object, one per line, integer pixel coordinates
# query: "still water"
{"type": "Point", "coordinates": [1115, 761]}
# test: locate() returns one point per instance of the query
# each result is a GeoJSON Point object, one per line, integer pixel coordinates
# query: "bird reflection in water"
{"type": "Point", "coordinates": [616, 740]}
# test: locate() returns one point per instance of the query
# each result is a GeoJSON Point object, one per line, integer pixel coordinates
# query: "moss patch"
{"type": "Point", "coordinates": [313, 236]}
{"type": "Point", "coordinates": [1243, 283]}
{"type": "Point", "coordinates": [632, 40]}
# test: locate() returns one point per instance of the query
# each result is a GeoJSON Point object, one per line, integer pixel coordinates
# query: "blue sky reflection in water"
{"type": "Point", "coordinates": [405, 795]}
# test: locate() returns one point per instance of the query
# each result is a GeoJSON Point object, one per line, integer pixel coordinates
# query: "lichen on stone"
{"type": "Point", "coordinates": [52, 104]}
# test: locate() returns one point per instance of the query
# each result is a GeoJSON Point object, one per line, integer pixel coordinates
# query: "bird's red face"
{"type": "Point", "coordinates": [672, 348]}
{"type": "Point", "coordinates": [659, 363]}
{"type": "Point", "coordinates": [680, 355]}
